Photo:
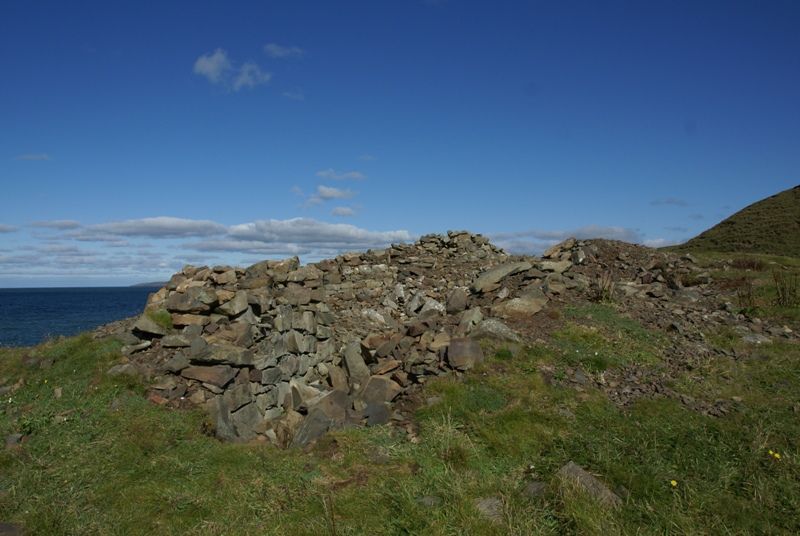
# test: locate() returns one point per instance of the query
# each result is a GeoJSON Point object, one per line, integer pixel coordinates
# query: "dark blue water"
{"type": "Point", "coordinates": [30, 315]}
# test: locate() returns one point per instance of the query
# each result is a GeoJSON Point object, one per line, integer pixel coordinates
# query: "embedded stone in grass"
{"type": "Point", "coordinates": [491, 508]}
{"type": "Point", "coordinates": [588, 483]}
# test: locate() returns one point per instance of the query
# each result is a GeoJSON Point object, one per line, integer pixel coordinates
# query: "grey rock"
{"type": "Point", "coordinates": [591, 485]}
{"type": "Point", "coordinates": [314, 426]}
{"type": "Point", "coordinates": [491, 508]}
{"type": "Point", "coordinates": [12, 440]}
{"type": "Point", "coordinates": [456, 301]}
{"type": "Point", "coordinates": [490, 279]}
{"type": "Point", "coordinates": [10, 529]}
{"type": "Point", "coordinates": [124, 369]}
{"type": "Point", "coordinates": [236, 306]}
{"type": "Point", "coordinates": [491, 328]}
{"type": "Point", "coordinates": [147, 326]}
{"type": "Point", "coordinates": [176, 340]}
{"type": "Point", "coordinates": [380, 389]}
{"type": "Point", "coordinates": [357, 369]}
{"type": "Point", "coordinates": [133, 348]}
{"type": "Point", "coordinates": [558, 267]}
{"type": "Point", "coordinates": [177, 363]}
{"type": "Point", "coordinates": [223, 354]}
{"type": "Point", "coordinates": [464, 353]}
{"type": "Point", "coordinates": [528, 304]}
{"type": "Point", "coordinates": [534, 489]}
{"type": "Point", "coordinates": [218, 375]}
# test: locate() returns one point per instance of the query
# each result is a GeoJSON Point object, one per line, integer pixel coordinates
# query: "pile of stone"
{"type": "Point", "coordinates": [285, 352]}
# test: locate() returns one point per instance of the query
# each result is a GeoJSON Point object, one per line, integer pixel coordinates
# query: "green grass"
{"type": "Point", "coordinates": [102, 460]}
{"type": "Point", "coordinates": [160, 317]}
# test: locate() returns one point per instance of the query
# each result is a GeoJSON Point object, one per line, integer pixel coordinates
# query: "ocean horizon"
{"type": "Point", "coordinates": [29, 316]}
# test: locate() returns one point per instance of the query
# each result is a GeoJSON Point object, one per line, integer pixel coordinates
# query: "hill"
{"type": "Point", "coordinates": [770, 226]}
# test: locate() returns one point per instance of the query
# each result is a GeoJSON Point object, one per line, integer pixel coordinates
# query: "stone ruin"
{"type": "Point", "coordinates": [285, 352]}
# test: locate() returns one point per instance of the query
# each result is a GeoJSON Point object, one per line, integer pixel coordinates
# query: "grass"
{"type": "Point", "coordinates": [160, 317]}
{"type": "Point", "coordinates": [102, 460]}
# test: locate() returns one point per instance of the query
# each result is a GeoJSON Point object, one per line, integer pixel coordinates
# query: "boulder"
{"type": "Point", "coordinates": [235, 306]}
{"type": "Point", "coordinates": [357, 370]}
{"type": "Point", "coordinates": [490, 279]}
{"type": "Point", "coordinates": [464, 353]}
{"type": "Point", "coordinates": [219, 375]}
{"type": "Point", "coordinates": [149, 327]}
{"type": "Point", "coordinates": [527, 304]}
{"type": "Point", "coordinates": [380, 389]}
{"type": "Point", "coordinates": [456, 301]}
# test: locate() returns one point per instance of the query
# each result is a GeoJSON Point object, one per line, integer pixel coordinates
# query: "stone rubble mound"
{"type": "Point", "coordinates": [284, 352]}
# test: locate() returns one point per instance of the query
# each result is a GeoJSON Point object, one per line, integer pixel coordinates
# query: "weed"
{"type": "Point", "coordinates": [604, 287]}
{"type": "Point", "coordinates": [787, 286]}
{"type": "Point", "coordinates": [748, 263]}
{"type": "Point", "coordinates": [745, 295]}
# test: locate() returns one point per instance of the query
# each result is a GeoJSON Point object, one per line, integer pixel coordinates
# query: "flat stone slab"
{"type": "Point", "coordinates": [590, 484]}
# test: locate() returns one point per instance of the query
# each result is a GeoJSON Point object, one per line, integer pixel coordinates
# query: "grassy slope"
{"type": "Point", "coordinates": [770, 226]}
{"type": "Point", "coordinates": [102, 460]}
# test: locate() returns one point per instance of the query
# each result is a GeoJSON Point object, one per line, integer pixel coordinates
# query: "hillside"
{"type": "Point", "coordinates": [441, 387]}
{"type": "Point", "coordinates": [770, 226]}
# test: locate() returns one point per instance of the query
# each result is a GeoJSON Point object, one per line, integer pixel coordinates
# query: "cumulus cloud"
{"type": "Point", "coordinates": [33, 157]}
{"type": "Point", "coordinates": [672, 201]}
{"type": "Point", "coordinates": [7, 228]}
{"type": "Point", "coordinates": [314, 233]}
{"type": "Point", "coordinates": [535, 241]}
{"type": "Point", "coordinates": [250, 75]}
{"type": "Point", "coordinates": [343, 212]}
{"type": "Point", "coordinates": [274, 50]}
{"type": "Point", "coordinates": [159, 227]}
{"type": "Point", "coordinates": [219, 69]}
{"type": "Point", "coordinates": [332, 174]}
{"type": "Point", "coordinates": [60, 225]}
{"type": "Point", "coordinates": [215, 66]}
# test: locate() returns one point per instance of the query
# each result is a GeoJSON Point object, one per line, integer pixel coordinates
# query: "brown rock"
{"type": "Point", "coordinates": [464, 353]}
{"type": "Point", "coordinates": [219, 375]}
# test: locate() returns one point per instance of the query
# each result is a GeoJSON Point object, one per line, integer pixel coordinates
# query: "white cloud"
{"type": "Point", "coordinates": [57, 224]}
{"type": "Point", "coordinates": [250, 75]}
{"type": "Point", "coordinates": [274, 50]}
{"type": "Point", "coordinates": [159, 227]}
{"type": "Point", "coordinates": [215, 66]}
{"type": "Point", "coordinates": [328, 192]}
{"type": "Point", "coordinates": [219, 69]}
{"type": "Point", "coordinates": [33, 156]}
{"type": "Point", "coordinates": [7, 228]}
{"type": "Point", "coordinates": [346, 175]}
{"type": "Point", "coordinates": [294, 95]}
{"type": "Point", "coordinates": [314, 233]}
{"type": "Point", "coordinates": [343, 212]}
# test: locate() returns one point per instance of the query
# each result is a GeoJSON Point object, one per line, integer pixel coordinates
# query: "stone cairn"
{"type": "Point", "coordinates": [287, 352]}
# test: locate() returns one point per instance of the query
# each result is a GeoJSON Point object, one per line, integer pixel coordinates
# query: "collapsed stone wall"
{"type": "Point", "coordinates": [286, 352]}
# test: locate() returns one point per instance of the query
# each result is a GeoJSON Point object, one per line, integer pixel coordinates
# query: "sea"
{"type": "Point", "coordinates": [29, 316]}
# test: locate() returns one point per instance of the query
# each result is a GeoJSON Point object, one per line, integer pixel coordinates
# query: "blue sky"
{"type": "Point", "coordinates": [137, 137]}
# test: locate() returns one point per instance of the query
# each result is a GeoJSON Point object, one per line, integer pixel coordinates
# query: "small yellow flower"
{"type": "Point", "coordinates": [673, 483]}
{"type": "Point", "coordinates": [45, 381]}
{"type": "Point", "coordinates": [771, 453]}
{"type": "Point", "coordinates": [777, 456]}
